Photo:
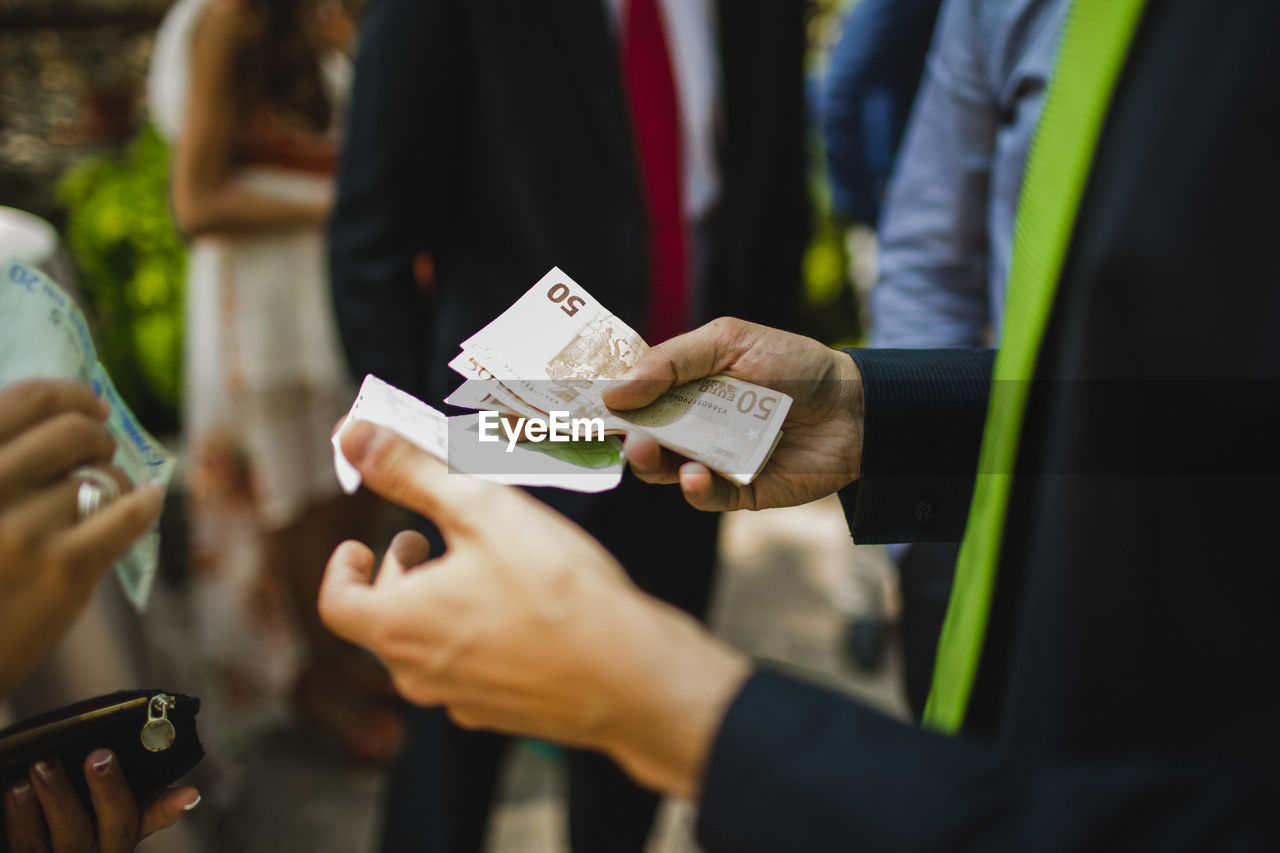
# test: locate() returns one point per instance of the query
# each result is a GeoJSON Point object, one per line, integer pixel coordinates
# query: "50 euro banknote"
{"type": "Point", "coordinates": [557, 349]}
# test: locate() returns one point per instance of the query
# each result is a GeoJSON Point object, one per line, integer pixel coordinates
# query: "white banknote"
{"type": "Point", "coordinates": [557, 349]}
{"type": "Point", "coordinates": [583, 466]}
{"type": "Point", "coordinates": [43, 334]}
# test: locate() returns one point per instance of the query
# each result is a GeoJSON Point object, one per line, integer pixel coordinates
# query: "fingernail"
{"type": "Point", "coordinates": [191, 805]}
{"type": "Point", "coordinates": [101, 761]}
{"type": "Point", "coordinates": [105, 406]}
{"type": "Point", "coordinates": [20, 792]}
{"type": "Point", "coordinates": [357, 440]}
{"type": "Point", "coordinates": [44, 770]}
{"type": "Point", "coordinates": [157, 486]}
{"type": "Point", "coordinates": [410, 547]}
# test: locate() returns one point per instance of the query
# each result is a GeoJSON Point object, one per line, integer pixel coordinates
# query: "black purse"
{"type": "Point", "coordinates": [152, 732]}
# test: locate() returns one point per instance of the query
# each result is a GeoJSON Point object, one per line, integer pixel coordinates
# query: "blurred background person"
{"type": "Point", "coordinates": [250, 93]}
{"type": "Point", "coordinates": [655, 151]}
{"type": "Point", "coordinates": [872, 75]}
{"type": "Point", "coordinates": [946, 232]}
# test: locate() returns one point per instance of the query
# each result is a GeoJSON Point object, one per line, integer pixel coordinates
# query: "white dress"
{"type": "Point", "coordinates": [263, 358]}
{"type": "Point", "coordinates": [265, 383]}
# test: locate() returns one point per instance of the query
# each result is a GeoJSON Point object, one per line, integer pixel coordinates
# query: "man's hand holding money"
{"type": "Point", "coordinates": [820, 450]}
{"type": "Point", "coordinates": [526, 625]}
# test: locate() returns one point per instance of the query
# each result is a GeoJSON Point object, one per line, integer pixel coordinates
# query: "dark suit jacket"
{"type": "Point", "coordinates": [494, 137]}
{"type": "Point", "coordinates": [1123, 698]}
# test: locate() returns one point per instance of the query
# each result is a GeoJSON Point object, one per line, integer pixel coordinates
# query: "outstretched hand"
{"type": "Point", "coordinates": [820, 450]}
{"type": "Point", "coordinates": [525, 624]}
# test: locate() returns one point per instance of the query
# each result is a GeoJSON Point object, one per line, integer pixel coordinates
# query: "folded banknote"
{"type": "Point", "coordinates": [557, 349]}
{"type": "Point", "coordinates": [44, 335]}
{"type": "Point", "coordinates": [479, 446]}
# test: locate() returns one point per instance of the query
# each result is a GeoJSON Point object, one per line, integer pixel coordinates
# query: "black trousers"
{"type": "Point", "coordinates": [441, 789]}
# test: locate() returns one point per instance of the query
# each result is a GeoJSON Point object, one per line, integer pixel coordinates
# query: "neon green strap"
{"type": "Point", "coordinates": [1091, 52]}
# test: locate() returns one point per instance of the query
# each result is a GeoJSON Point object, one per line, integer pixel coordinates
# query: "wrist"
{"type": "Point", "coordinates": [851, 404]}
{"type": "Point", "coordinates": [672, 701]}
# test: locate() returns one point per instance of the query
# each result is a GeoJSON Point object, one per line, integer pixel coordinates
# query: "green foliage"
{"type": "Point", "coordinates": [131, 262]}
{"type": "Point", "coordinates": [829, 310]}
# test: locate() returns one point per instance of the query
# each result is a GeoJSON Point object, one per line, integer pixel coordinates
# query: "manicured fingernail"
{"type": "Point", "coordinates": [191, 805]}
{"type": "Point", "coordinates": [20, 792]}
{"type": "Point", "coordinates": [44, 770]}
{"type": "Point", "coordinates": [101, 761]}
{"type": "Point", "coordinates": [357, 440]}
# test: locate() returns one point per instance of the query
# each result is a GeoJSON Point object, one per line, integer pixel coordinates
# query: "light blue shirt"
{"type": "Point", "coordinates": [946, 232]}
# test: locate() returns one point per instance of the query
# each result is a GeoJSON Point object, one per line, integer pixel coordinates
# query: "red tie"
{"type": "Point", "coordinates": [655, 120]}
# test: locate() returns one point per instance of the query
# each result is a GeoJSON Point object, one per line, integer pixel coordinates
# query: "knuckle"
{"type": "Point", "coordinates": [85, 433]}
{"type": "Point", "coordinates": [413, 690]}
{"type": "Point", "coordinates": [438, 661]}
{"type": "Point", "coordinates": [383, 454]}
{"type": "Point", "coordinates": [727, 329]}
{"type": "Point", "coordinates": [392, 467]}
{"type": "Point", "coordinates": [39, 398]}
{"type": "Point", "coordinates": [723, 324]}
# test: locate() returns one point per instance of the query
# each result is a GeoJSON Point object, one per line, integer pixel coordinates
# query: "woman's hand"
{"type": "Point", "coordinates": [43, 814]}
{"type": "Point", "coordinates": [820, 450]}
{"type": "Point", "coordinates": [50, 558]}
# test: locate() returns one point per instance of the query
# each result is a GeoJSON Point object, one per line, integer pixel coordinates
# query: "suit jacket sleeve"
{"type": "Point", "coordinates": [798, 767]}
{"type": "Point", "coordinates": [395, 155]}
{"type": "Point", "coordinates": [922, 429]}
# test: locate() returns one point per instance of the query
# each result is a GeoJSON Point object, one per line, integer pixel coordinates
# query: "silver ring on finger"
{"type": "Point", "coordinates": [97, 489]}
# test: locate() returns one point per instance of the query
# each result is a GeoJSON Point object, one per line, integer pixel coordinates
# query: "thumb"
{"type": "Point", "coordinates": [704, 351]}
{"type": "Point", "coordinates": [400, 471]}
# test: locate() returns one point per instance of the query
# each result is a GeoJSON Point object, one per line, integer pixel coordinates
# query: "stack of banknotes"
{"type": "Point", "coordinates": [535, 377]}
{"type": "Point", "coordinates": [43, 335]}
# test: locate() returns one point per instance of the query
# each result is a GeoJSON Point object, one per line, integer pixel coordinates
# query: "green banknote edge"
{"type": "Point", "coordinates": [594, 454]}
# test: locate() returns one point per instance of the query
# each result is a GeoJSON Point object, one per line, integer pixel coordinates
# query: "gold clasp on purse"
{"type": "Point", "coordinates": [158, 734]}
